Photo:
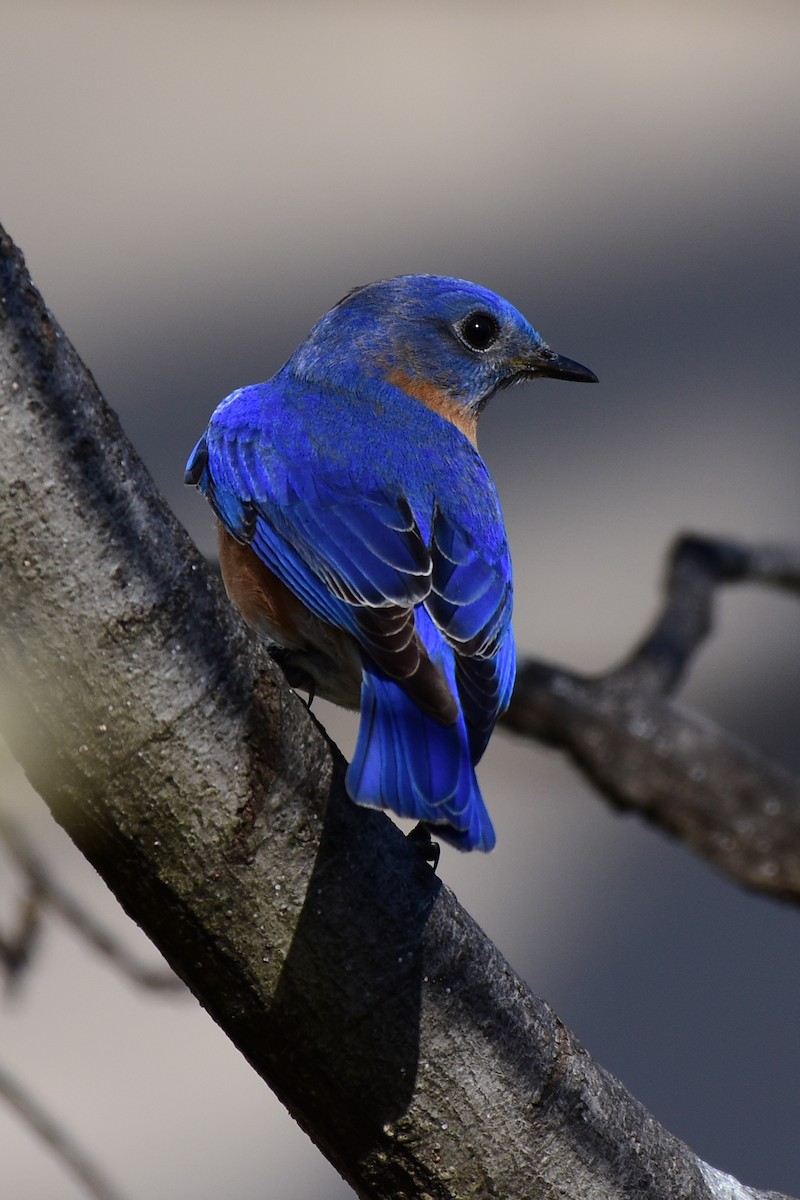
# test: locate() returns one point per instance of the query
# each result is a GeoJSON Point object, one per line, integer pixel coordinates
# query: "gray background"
{"type": "Point", "coordinates": [192, 185]}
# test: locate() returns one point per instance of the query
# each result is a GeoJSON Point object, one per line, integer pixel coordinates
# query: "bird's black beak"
{"type": "Point", "coordinates": [546, 362]}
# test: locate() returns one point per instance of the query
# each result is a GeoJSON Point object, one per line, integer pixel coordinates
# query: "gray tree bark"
{"type": "Point", "coordinates": [169, 747]}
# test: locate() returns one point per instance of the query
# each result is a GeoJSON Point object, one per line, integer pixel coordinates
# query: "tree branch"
{"type": "Point", "coordinates": [51, 1133]}
{"type": "Point", "coordinates": [643, 750]}
{"type": "Point", "coordinates": [170, 748]}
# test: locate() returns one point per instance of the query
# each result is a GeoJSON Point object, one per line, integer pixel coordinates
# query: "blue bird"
{"type": "Point", "coordinates": [361, 535]}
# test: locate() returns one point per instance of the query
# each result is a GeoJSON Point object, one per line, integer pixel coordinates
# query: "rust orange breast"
{"type": "Point", "coordinates": [264, 602]}
{"type": "Point", "coordinates": [319, 652]}
{"type": "Point", "coordinates": [434, 398]}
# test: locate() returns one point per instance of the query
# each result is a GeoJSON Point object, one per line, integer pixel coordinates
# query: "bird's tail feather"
{"type": "Point", "coordinates": [411, 764]}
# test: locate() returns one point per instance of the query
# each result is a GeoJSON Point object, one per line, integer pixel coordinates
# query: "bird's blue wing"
{"type": "Point", "coordinates": [221, 470]}
{"type": "Point", "coordinates": [354, 556]}
{"type": "Point", "coordinates": [364, 546]}
{"type": "Point", "coordinates": [471, 601]}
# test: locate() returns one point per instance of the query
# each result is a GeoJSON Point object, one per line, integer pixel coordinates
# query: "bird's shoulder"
{"type": "Point", "coordinates": [370, 442]}
{"type": "Point", "coordinates": [376, 467]}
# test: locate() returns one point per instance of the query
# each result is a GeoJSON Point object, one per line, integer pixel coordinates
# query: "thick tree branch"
{"type": "Point", "coordinates": [209, 799]}
{"type": "Point", "coordinates": [645, 751]}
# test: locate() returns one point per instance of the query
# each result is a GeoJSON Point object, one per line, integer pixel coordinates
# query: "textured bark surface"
{"type": "Point", "coordinates": [209, 799]}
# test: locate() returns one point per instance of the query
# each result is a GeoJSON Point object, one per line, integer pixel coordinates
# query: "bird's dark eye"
{"type": "Point", "coordinates": [479, 330]}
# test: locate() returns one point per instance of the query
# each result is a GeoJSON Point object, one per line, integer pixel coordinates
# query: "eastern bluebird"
{"type": "Point", "coordinates": [361, 534]}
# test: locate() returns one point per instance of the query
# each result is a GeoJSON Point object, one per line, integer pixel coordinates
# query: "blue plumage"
{"type": "Point", "coordinates": [360, 530]}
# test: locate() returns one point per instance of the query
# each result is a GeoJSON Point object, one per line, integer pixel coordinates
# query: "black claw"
{"type": "Point", "coordinates": [430, 850]}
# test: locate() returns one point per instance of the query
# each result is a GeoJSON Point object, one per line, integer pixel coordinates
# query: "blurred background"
{"type": "Point", "coordinates": [192, 186]}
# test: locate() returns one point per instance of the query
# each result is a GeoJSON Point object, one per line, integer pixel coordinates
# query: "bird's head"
{"type": "Point", "coordinates": [447, 342]}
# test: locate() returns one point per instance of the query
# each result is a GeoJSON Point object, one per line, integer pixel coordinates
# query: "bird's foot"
{"type": "Point", "coordinates": [290, 662]}
{"type": "Point", "coordinates": [420, 836]}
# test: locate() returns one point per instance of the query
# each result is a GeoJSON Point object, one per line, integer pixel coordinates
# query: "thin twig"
{"type": "Point", "coordinates": [17, 945]}
{"type": "Point", "coordinates": [697, 567]}
{"type": "Point", "coordinates": [44, 890]}
{"type": "Point", "coordinates": [49, 1131]}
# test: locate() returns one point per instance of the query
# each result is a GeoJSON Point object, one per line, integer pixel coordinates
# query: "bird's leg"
{"type": "Point", "coordinates": [420, 836]}
{"type": "Point", "coordinates": [289, 662]}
